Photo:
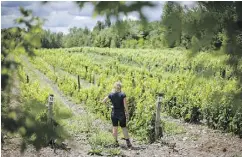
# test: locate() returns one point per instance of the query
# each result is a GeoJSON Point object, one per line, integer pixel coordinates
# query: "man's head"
{"type": "Point", "coordinates": [117, 86]}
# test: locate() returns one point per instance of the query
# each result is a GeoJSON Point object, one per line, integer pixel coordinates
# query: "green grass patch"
{"type": "Point", "coordinates": [114, 152]}
{"type": "Point", "coordinates": [101, 143]}
{"type": "Point", "coordinates": [172, 128]}
{"type": "Point", "coordinates": [81, 124]}
{"type": "Point", "coordinates": [101, 138]}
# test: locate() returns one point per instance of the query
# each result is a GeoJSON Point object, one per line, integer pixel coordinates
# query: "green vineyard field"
{"type": "Point", "coordinates": [201, 88]}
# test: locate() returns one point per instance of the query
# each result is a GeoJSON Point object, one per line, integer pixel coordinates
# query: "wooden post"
{"type": "Point", "coordinates": [86, 72]}
{"type": "Point", "coordinates": [133, 82]}
{"type": "Point", "coordinates": [93, 78]}
{"type": "Point", "coordinates": [50, 108]}
{"type": "Point", "coordinates": [78, 81]}
{"type": "Point", "coordinates": [157, 118]}
{"type": "Point", "coordinates": [27, 77]}
{"type": "Point", "coordinates": [86, 68]}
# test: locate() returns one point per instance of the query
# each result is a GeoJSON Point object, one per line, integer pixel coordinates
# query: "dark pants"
{"type": "Point", "coordinates": [118, 117]}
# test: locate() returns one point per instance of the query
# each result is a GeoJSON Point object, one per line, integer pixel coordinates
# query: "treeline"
{"type": "Point", "coordinates": [208, 25]}
{"type": "Point", "coordinates": [122, 34]}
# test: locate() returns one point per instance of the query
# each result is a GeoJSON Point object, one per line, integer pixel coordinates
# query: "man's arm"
{"type": "Point", "coordinates": [126, 106]}
{"type": "Point", "coordinates": [105, 99]}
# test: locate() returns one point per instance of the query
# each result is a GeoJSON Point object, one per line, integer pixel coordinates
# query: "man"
{"type": "Point", "coordinates": [118, 114]}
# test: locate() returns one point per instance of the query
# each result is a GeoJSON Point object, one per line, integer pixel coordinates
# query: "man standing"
{"type": "Point", "coordinates": [119, 112]}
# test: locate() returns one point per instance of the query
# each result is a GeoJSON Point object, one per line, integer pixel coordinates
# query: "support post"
{"type": "Point", "coordinates": [86, 68]}
{"type": "Point", "coordinates": [133, 82]}
{"type": "Point", "coordinates": [86, 72]}
{"type": "Point", "coordinates": [27, 77]}
{"type": "Point", "coordinates": [50, 108]}
{"type": "Point", "coordinates": [158, 129]}
{"type": "Point", "coordinates": [93, 77]}
{"type": "Point", "coordinates": [78, 81]}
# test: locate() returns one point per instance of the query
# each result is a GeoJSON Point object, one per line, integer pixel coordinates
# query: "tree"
{"type": "Point", "coordinates": [51, 40]}
{"type": "Point", "coordinates": [172, 20]}
{"type": "Point", "coordinates": [206, 22]}
{"type": "Point", "coordinates": [99, 26]}
{"type": "Point", "coordinates": [107, 23]}
{"type": "Point", "coordinates": [86, 31]}
{"type": "Point", "coordinates": [30, 40]}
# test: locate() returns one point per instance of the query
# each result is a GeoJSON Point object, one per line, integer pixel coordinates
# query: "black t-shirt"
{"type": "Point", "coordinates": [117, 100]}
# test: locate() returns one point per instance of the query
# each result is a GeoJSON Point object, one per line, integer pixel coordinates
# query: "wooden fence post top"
{"type": "Point", "coordinates": [50, 108]}
{"type": "Point", "coordinates": [51, 98]}
{"type": "Point", "coordinates": [158, 130]}
{"type": "Point", "coordinates": [160, 94]}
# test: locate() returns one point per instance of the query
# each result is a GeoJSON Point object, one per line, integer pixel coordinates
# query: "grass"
{"type": "Point", "coordinates": [81, 124]}
{"type": "Point", "coordinates": [101, 138]}
{"type": "Point", "coordinates": [171, 128]}
{"type": "Point", "coordinates": [95, 151]}
{"type": "Point", "coordinates": [114, 152]}
{"type": "Point", "coordinates": [101, 143]}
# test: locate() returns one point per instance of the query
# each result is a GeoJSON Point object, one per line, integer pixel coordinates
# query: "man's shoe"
{"type": "Point", "coordinates": [116, 144]}
{"type": "Point", "coordinates": [129, 145]}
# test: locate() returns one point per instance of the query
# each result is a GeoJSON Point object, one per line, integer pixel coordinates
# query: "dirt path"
{"type": "Point", "coordinates": [197, 141]}
{"type": "Point", "coordinates": [194, 140]}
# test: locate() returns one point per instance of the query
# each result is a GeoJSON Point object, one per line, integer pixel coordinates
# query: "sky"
{"type": "Point", "coordinates": [60, 16]}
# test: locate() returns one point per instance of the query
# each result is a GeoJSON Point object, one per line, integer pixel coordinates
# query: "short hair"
{"type": "Point", "coordinates": [117, 86]}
